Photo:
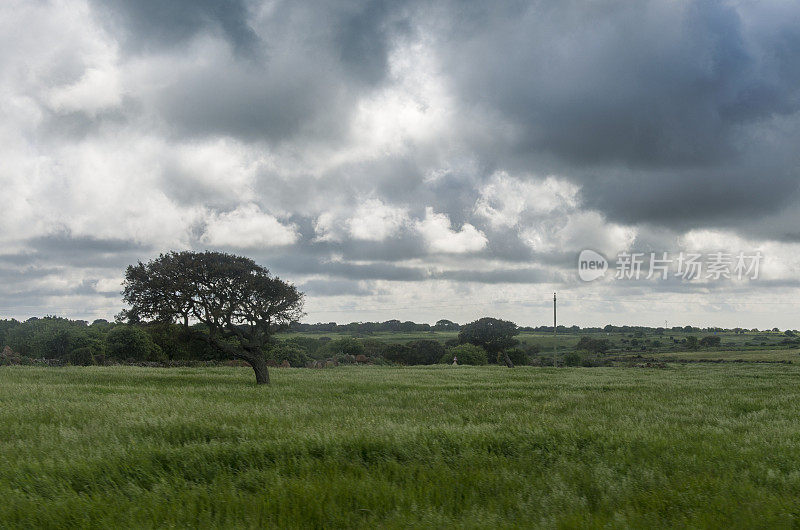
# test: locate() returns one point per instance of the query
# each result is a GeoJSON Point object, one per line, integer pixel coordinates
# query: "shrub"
{"type": "Point", "coordinates": [309, 345]}
{"type": "Point", "coordinates": [425, 352]}
{"type": "Point", "coordinates": [597, 345]}
{"type": "Point", "coordinates": [397, 353]}
{"type": "Point", "coordinates": [344, 346]}
{"type": "Point", "coordinates": [374, 347]}
{"type": "Point", "coordinates": [466, 354]}
{"type": "Point", "coordinates": [125, 342]}
{"type": "Point", "coordinates": [530, 349]}
{"type": "Point", "coordinates": [81, 357]}
{"type": "Point", "coordinates": [517, 356]}
{"type": "Point", "coordinates": [573, 358]}
{"type": "Point", "coordinates": [294, 355]}
{"type": "Point", "coordinates": [710, 341]}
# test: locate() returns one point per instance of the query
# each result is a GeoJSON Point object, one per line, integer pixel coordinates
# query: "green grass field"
{"type": "Point", "coordinates": [690, 445]}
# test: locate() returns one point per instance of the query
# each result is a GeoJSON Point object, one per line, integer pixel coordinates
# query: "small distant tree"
{"type": "Point", "coordinates": [467, 354]}
{"type": "Point", "coordinates": [445, 325]}
{"type": "Point", "coordinates": [493, 335]}
{"type": "Point", "coordinates": [238, 302]}
{"type": "Point", "coordinates": [710, 341]}
{"type": "Point", "coordinates": [595, 345]}
{"type": "Point", "coordinates": [691, 342]}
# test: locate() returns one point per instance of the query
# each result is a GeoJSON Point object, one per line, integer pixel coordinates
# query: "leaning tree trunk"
{"type": "Point", "coordinates": [259, 365]}
{"type": "Point", "coordinates": [252, 356]}
{"type": "Point", "coordinates": [508, 360]}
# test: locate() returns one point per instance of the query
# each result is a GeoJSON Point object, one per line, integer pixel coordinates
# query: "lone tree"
{"type": "Point", "coordinates": [239, 304]}
{"type": "Point", "coordinates": [494, 335]}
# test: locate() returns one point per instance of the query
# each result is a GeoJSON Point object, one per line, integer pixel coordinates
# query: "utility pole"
{"type": "Point", "coordinates": [554, 331]}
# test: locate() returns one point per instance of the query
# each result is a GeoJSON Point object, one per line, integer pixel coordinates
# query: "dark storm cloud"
{"type": "Point", "coordinates": [64, 249]}
{"type": "Point", "coordinates": [150, 23]}
{"type": "Point", "coordinates": [296, 71]}
{"type": "Point", "coordinates": [684, 199]}
{"type": "Point", "coordinates": [665, 112]}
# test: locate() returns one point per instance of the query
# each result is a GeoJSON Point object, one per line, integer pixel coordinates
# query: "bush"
{"type": "Point", "coordinates": [530, 349]}
{"type": "Point", "coordinates": [710, 341]}
{"type": "Point", "coordinates": [466, 354]}
{"type": "Point", "coordinates": [125, 342]}
{"type": "Point", "coordinates": [81, 357]}
{"type": "Point", "coordinates": [307, 344]}
{"type": "Point", "coordinates": [397, 353]}
{"type": "Point", "coordinates": [294, 355]}
{"type": "Point", "coordinates": [517, 356]}
{"type": "Point", "coordinates": [344, 346]}
{"type": "Point", "coordinates": [425, 352]}
{"type": "Point", "coordinates": [591, 345]}
{"type": "Point", "coordinates": [374, 348]}
{"type": "Point", "coordinates": [573, 358]}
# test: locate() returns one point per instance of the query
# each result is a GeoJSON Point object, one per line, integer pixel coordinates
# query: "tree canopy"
{"type": "Point", "coordinates": [492, 334]}
{"type": "Point", "coordinates": [238, 302]}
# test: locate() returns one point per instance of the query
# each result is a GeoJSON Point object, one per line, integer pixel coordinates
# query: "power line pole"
{"type": "Point", "coordinates": [554, 331]}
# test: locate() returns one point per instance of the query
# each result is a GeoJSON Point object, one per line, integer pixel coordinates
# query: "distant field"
{"type": "Point", "coordinates": [755, 342]}
{"type": "Point", "coordinates": [691, 445]}
{"type": "Point", "coordinates": [792, 355]}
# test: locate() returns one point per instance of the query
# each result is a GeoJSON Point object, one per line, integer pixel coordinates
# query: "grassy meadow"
{"type": "Point", "coordinates": [690, 445]}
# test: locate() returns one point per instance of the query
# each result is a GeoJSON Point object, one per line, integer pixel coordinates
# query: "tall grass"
{"type": "Point", "coordinates": [699, 445]}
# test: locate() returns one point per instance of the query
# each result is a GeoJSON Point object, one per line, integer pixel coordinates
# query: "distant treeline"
{"type": "Point", "coordinates": [78, 342]}
{"type": "Point", "coordinates": [365, 328]}
{"type": "Point", "coordinates": [102, 342]}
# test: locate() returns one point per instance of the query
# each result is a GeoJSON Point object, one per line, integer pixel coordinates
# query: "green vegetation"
{"type": "Point", "coordinates": [690, 445]}
{"type": "Point", "coordinates": [56, 341]}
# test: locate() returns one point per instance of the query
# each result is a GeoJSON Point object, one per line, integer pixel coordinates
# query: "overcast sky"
{"type": "Point", "coordinates": [405, 160]}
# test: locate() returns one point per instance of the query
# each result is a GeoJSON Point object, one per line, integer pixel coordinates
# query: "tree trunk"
{"type": "Point", "coordinates": [259, 365]}
{"type": "Point", "coordinates": [252, 356]}
{"type": "Point", "coordinates": [508, 360]}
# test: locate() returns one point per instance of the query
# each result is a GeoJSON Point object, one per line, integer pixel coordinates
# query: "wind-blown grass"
{"type": "Point", "coordinates": [699, 445]}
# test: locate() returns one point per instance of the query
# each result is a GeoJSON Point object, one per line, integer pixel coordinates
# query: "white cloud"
{"type": "Point", "coordinates": [372, 220]}
{"type": "Point", "coordinates": [576, 231]}
{"type": "Point", "coordinates": [504, 199]}
{"type": "Point", "coordinates": [375, 221]}
{"type": "Point", "coordinates": [98, 89]}
{"type": "Point", "coordinates": [440, 237]}
{"type": "Point", "coordinates": [247, 227]}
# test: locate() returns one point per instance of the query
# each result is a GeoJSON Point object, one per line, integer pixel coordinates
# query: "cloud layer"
{"type": "Point", "coordinates": [452, 159]}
